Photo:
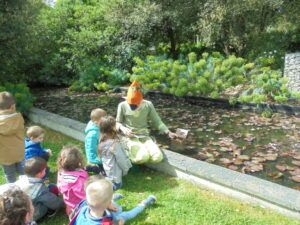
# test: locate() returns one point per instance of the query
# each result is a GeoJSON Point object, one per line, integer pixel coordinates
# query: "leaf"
{"type": "Point", "coordinates": [233, 167]}
{"type": "Point", "coordinates": [209, 149]}
{"type": "Point", "coordinates": [237, 135]}
{"type": "Point", "coordinates": [296, 155]}
{"type": "Point", "coordinates": [225, 161]}
{"type": "Point", "coordinates": [237, 162]}
{"type": "Point", "coordinates": [271, 157]}
{"type": "Point", "coordinates": [243, 157]}
{"type": "Point", "coordinates": [201, 156]}
{"type": "Point", "coordinates": [295, 172]}
{"type": "Point", "coordinates": [295, 162]}
{"type": "Point", "coordinates": [295, 178]}
{"type": "Point", "coordinates": [281, 168]}
{"type": "Point", "coordinates": [275, 175]}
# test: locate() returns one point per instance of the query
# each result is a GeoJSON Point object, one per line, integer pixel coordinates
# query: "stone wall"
{"type": "Point", "coordinates": [292, 71]}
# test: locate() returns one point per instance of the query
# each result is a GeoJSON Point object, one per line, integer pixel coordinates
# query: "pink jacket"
{"type": "Point", "coordinates": [71, 185]}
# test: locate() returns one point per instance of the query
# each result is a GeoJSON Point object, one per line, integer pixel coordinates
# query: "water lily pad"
{"type": "Point", "coordinates": [258, 159]}
{"type": "Point", "coordinates": [252, 167]}
{"type": "Point", "coordinates": [233, 167]}
{"type": "Point", "coordinates": [295, 178]}
{"type": "Point", "coordinates": [296, 162]}
{"type": "Point", "coordinates": [275, 175]}
{"type": "Point", "coordinates": [237, 161]}
{"type": "Point", "coordinates": [225, 161]}
{"type": "Point", "coordinates": [243, 157]}
{"type": "Point", "coordinates": [296, 155]}
{"type": "Point", "coordinates": [281, 167]}
{"type": "Point", "coordinates": [295, 172]}
{"type": "Point", "coordinates": [271, 157]}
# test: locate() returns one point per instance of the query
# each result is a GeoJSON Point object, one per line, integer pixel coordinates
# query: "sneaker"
{"type": "Point", "coordinates": [149, 201]}
{"type": "Point", "coordinates": [117, 196]}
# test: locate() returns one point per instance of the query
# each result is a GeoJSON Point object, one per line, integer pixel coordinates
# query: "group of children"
{"type": "Point", "coordinates": [88, 199]}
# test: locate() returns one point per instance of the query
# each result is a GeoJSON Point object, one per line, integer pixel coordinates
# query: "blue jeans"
{"type": "Point", "coordinates": [126, 215]}
{"type": "Point", "coordinates": [11, 171]}
{"type": "Point", "coordinates": [116, 186]}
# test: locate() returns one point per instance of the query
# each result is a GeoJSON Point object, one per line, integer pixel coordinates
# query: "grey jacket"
{"type": "Point", "coordinates": [115, 161]}
{"type": "Point", "coordinates": [42, 198]}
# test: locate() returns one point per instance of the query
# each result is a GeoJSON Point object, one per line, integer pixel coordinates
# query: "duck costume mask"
{"type": "Point", "coordinates": [134, 95]}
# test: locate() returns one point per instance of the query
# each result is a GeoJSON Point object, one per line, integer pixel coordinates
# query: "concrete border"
{"type": "Point", "coordinates": [242, 186]}
{"type": "Point", "coordinates": [224, 103]}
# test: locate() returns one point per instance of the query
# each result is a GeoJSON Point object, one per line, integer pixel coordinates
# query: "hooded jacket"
{"type": "Point", "coordinates": [11, 137]}
{"type": "Point", "coordinates": [71, 185]}
{"type": "Point", "coordinates": [42, 199]}
{"type": "Point", "coordinates": [33, 149]}
{"type": "Point", "coordinates": [91, 142]}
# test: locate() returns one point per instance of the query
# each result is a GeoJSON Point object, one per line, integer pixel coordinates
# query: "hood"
{"type": "Point", "coordinates": [31, 144]}
{"type": "Point", "coordinates": [91, 126]}
{"type": "Point", "coordinates": [10, 122]}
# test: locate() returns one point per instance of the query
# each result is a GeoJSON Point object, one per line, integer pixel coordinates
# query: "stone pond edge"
{"type": "Point", "coordinates": [241, 186]}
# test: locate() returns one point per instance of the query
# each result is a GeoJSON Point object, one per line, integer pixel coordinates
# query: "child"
{"type": "Point", "coordinates": [15, 208]}
{"type": "Point", "coordinates": [99, 194]}
{"type": "Point", "coordinates": [45, 199]}
{"type": "Point", "coordinates": [11, 137]}
{"type": "Point", "coordinates": [115, 161]}
{"type": "Point", "coordinates": [33, 148]}
{"type": "Point", "coordinates": [71, 176]}
{"type": "Point", "coordinates": [92, 140]}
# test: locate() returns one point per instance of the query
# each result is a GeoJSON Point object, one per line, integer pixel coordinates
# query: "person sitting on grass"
{"type": "Point", "coordinates": [44, 199]}
{"type": "Point", "coordinates": [99, 195]}
{"type": "Point", "coordinates": [33, 148]}
{"type": "Point", "coordinates": [91, 142]}
{"type": "Point", "coordinates": [15, 207]}
{"type": "Point", "coordinates": [115, 161]}
{"type": "Point", "coordinates": [134, 118]}
{"type": "Point", "coordinates": [71, 177]}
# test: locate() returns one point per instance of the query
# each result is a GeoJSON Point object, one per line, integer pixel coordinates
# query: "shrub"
{"type": "Point", "coordinates": [24, 99]}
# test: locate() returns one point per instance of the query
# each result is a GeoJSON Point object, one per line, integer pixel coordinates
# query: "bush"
{"type": "Point", "coordinates": [24, 99]}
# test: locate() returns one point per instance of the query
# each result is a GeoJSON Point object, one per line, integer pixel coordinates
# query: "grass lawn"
{"type": "Point", "coordinates": [179, 202]}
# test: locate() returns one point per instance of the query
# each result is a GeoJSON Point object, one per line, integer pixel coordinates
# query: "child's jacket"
{"type": "Point", "coordinates": [11, 137]}
{"type": "Point", "coordinates": [91, 142]}
{"type": "Point", "coordinates": [71, 185]}
{"type": "Point", "coordinates": [115, 161]}
{"type": "Point", "coordinates": [42, 198]}
{"type": "Point", "coordinates": [84, 217]}
{"type": "Point", "coordinates": [33, 149]}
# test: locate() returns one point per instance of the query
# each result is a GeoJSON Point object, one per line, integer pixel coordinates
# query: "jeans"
{"type": "Point", "coordinates": [116, 186]}
{"type": "Point", "coordinates": [126, 215]}
{"type": "Point", "coordinates": [11, 171]}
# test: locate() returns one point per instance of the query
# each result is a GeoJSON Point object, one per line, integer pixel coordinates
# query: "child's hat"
{"type": "Point", "coordinates": [134, 95]}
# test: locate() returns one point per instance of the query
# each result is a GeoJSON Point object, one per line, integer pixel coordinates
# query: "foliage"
{"type": "Point", "coordinates": [24, 99]}
{"type": "Point", "coordinates": [210, 75]}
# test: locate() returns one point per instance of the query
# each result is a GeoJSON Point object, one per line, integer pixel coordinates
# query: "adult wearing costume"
{"type": "Point", "coordinates": [134, 118]}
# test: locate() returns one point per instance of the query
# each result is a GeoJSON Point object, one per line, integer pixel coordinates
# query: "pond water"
{"type": "Point", "coordinates": [268, 148]}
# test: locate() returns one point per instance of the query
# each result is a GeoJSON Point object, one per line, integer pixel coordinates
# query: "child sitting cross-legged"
{"type": "Point", "coordinates": [44, 198]}
{"type": "Point", "coordinates": [99, 195]}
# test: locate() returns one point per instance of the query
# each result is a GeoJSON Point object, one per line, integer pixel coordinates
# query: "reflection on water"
{"type": "Point", "coordinates": [242, 141]}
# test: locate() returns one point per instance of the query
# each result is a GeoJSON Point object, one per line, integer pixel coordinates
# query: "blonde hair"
{"type": "Point", "coordinates": [70, 158]}
{"type": "Point", "coordinates": [34, 131]}
{"type": "Point", "coordinates": [6, 100]}
{"type": "Point", "coordinates": [99, 194]}
{"type": "Point", "coordinates": [97, 114]}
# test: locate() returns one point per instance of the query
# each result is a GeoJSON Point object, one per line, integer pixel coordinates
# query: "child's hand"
{"type": "Point", "coordinates": [112, 207]}
{"type": "Point", "coordinates": [49, 151]}
{"type": "Point", "coordinates": [171, 134]}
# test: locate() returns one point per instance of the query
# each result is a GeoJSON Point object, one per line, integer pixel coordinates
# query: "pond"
{"type": "Point", "coordinates": [268, 148]}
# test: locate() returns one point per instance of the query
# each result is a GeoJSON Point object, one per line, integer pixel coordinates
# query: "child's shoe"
{"type": "Point", "coordinates": [149, 201]}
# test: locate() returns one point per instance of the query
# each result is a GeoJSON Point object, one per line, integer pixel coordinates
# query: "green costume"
{"type": "Point", "coordinates": [141, 147]}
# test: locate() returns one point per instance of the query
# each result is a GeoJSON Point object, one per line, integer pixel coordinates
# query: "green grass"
{"type": "Point", "coordinates": [178, 202]}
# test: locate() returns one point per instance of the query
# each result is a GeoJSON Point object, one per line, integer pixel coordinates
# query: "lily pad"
{"type": "Point", "coordinates": [295, 178]}
{"type": "Point", "coordinates": [271, 157]}
{"type": "Point", "coordinates": [296, 162]}
{"type": "Point", "coordinates": [225, 161]}
{"type": "Point", "coordinates": [281, 168]}
{"type": "Point", "coordinates": [296, 155]}
{"type": "Point", "coordinates": [295, 172]}
{"type": "Point", "coordinates": [233, 167]}
{"type": "Point", "coordinates": [243, 157]}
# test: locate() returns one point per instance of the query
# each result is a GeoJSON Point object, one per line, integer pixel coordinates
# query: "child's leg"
{"type": "Point", "coordinates": [127, 215]}
{"type": "Point", "coordinates": [116, 186]}
{"type": "Point", "coordinates": [10, 173]}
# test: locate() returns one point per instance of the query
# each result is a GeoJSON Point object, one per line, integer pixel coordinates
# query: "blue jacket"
{"type": "Point", "coordinates": [33, 149]}
{"type": "Point", "coordinates": [84, 217]}
{"type": "Point", "coordinates": [91, 143]}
